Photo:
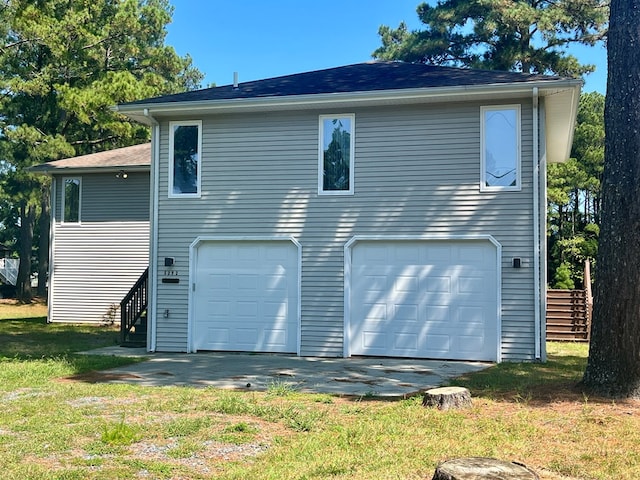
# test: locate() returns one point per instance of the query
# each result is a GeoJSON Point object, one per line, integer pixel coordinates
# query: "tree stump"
{"type": "Point", "coordinates": [476, 468]}
{"type": "Point", "coordinates": [447, 397]}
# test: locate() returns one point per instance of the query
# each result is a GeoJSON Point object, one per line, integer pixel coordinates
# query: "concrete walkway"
{"type": "Point", "coordinates": [357, 376]}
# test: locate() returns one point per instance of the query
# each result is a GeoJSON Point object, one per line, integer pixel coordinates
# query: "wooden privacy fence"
{"type": "Point", "coordinates": [568, 315]}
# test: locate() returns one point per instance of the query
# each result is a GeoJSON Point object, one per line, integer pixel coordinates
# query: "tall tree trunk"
{"type": "Point", "coordinates": [613, 367]}
{"type": "Point", "coordinates": [23, 283]}
{"type": "Point", "coordinates": [560, 221]}
{"type": "Point", "coordinates": [43, 246]}
{"type": "Point", "coordinates": [576, 212]}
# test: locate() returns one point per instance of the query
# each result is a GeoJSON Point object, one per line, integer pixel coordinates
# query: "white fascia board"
{"type": "Point", "coordinates": [348, 99]}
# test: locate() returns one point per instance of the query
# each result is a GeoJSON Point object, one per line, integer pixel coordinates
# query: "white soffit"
{"type": "Point", "coordinates": [561, 110]}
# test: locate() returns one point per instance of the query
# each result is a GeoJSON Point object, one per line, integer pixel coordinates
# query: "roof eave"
{"type": "Point", "coordinates": [560, 119]}
{"type": "Point", "coordinates": [145, 112]}
{"type": "Point", "coordinates": [45, 169]}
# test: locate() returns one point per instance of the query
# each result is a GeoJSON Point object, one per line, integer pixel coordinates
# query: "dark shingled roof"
{"type": "Point", "coordinates": [126, 157]}
{"type": "Point", "coordinates": [361, 77]}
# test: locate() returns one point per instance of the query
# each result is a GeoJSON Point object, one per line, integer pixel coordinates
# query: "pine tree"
{"type": "Point", "coordinates": [63, 64]}
{"type": "Point", "coordinates": [520, 35]}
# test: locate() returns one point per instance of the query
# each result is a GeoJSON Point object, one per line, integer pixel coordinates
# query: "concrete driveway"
{"type": "Point", "coordinates": [356, 376]}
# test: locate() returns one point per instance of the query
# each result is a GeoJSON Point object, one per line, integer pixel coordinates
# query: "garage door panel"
{"type": "Point", "coordinates": [222, 336]}
{"type": "Point", "coordinates": [436, 284]}
{"type": "Point", "coordinates": [438, 315]}
{"type": "Point", "coordinates": [470, 344]}
{"type": "Point", "coordinates": [473, 316]}
{"type": "Point", "coordinates": [245, 338]}
{"type": "Point", "coordinates": [405, 342]}
{"type": "Point", "coordinates": [471, 284]}
{"type": "Point", "coordinates": [246, 310]}
{"type": "Point", "coordinates": [219, 308]}
{"type": "Point", "coordinates": [374, 341]}
{"type": "Point", "coordinates": [406, 313]}
{"type": "Point", "coordinates": [246, 297]}
{"type": "Point", "coordinates": [444, 307]}
{"type": "Point", "coordinates": [438, 343]}
{"type": "Point", "coordinates": [245, 282]}
{"type": "Point", "coordinates": [376, 311]}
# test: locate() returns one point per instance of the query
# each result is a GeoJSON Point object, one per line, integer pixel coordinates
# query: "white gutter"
{"type": "Point", "coordinates": [536, 227]}
{"type": "Point", "coordinates": [153, 232]}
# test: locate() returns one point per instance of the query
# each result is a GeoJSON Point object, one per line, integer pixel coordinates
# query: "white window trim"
{"type": "Point", "coordinates": [483, 170]}
{"type": "Point", "coordinates": [352, 156]}
{"type": "Point", "coordinates": [189, 123]}
{"type": "Point", "coordinates": [64, 198]}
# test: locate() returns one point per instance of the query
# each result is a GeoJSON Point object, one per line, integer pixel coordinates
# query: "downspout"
{"type": "Point", "coordinates": [153, 231]}
{"type": "Point", "coordinates": [536, 228]}
{"type": "Point", "coordinates": [543, 229]}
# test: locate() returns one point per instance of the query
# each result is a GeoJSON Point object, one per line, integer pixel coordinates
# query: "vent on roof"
{"type": "Point", "coordinates": [235, 80]}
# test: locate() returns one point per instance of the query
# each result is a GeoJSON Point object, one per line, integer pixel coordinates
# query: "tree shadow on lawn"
{"type": "Point", "coordinates": [536, 384]}
{"type": "Point", "coordinates": [30, 338]}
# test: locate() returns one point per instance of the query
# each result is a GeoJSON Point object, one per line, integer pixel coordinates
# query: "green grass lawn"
{"type": "Point", "coordinates": [52, 427]}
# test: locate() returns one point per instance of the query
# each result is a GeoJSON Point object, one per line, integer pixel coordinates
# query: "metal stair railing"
{"type": "Point", "coordinates": [133, 305]}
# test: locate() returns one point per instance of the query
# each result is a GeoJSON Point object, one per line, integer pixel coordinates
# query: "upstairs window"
{"type": "Point", "coordinates": [336, 154]}
{"type": "Point", "coordinates": [71, 200]}
{"type": "Point", "coordinates": [185, 146]}
{"type": "Point", "coordinates": [500, 148]}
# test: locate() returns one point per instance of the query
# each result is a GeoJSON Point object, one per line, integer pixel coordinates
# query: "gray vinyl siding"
{"type": "Point", "coordinates": [417, 172]}
{"type": "Point", "coordinates": [105, 198]}
{"type": "Point", "coordinates": [96, 261]}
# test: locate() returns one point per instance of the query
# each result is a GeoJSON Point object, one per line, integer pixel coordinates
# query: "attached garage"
{"type": "Point", "coordinates": [423, 298]}
{"type": "Point", "coordinates": [245, 295]}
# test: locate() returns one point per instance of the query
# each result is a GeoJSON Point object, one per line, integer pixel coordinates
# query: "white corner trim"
{"type": "Point", "coordinates": [153, 231]}
{"type": "Point", "coordinates": [52, 249]}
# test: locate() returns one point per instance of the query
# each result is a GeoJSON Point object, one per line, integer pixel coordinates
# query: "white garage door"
{"type": "Point", "coordinates": [246, 296]}
{"type": "Point", "coordinates": [424, 299]}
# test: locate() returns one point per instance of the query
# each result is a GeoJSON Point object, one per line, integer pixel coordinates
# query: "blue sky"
{"type": "Point", "coordinates": [268, 38]}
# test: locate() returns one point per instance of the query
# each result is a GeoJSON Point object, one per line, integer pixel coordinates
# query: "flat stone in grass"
{"type": "Point", "coordinates": [478, 468]}
{"type": "Point", "coordinates": [445, 398]}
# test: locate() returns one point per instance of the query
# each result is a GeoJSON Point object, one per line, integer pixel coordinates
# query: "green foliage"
{"type": "Point", "coordinates": [183, 427]}
{"type": "Point", "coordinates": [63, 65]}
{"type": "Point", "coordinates": [119, 434]}
{"type": "Point", "coordinates": [574, 198]}
{"type": "Point", "coordinates": [563, 277]}
{"type": "Point", "coordinates": [280, 389]}
{"type": "Point", "coordinates": [518, 35]}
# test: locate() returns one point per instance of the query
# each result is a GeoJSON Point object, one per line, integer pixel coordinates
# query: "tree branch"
{"type": "Point", "coordinates": [94, 142]}
{"type": "Point", "coordinates": [19, 42]}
